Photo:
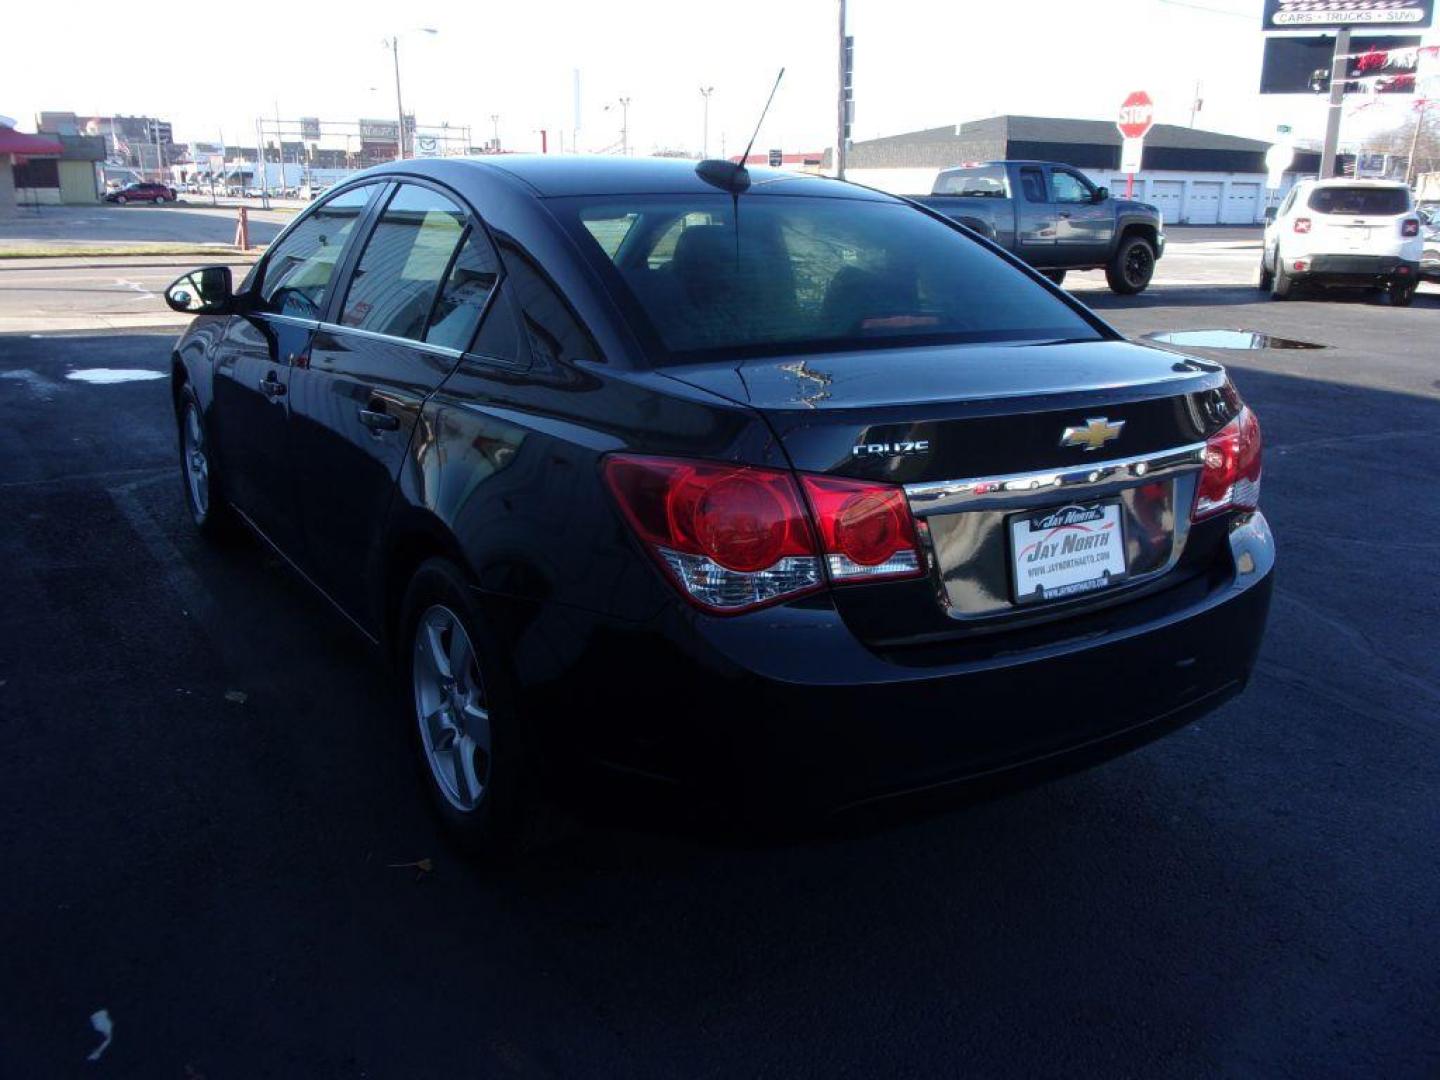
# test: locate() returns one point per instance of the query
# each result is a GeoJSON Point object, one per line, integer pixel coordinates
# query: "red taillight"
{"type": "Point", "coordinates": [866, 529]}
{"type": "Point", "coordinates": [1230, 479]}
{"type": "Point", "coordinates": [1302, 224]}
{"type": "Point", "coordinates": [1410, 227]}
{"type": "Point", "coordinates": [735, 537]}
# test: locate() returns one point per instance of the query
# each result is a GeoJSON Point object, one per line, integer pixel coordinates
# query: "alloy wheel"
{"type": "Point", "coordinates": [1138, 265]}
{"type": "Point", "coordinates": [197, 464]}
{"type": "Point", "coordinates": [451, 708]}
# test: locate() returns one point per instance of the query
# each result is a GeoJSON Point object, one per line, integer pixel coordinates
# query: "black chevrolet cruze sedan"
{"type": "Point", "coordinates": [763, 483]}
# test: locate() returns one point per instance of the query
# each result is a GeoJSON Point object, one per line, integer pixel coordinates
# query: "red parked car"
{"type": "Point", "coordinates": [152, 193]}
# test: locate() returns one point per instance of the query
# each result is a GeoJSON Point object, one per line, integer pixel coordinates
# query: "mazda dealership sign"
{"type": "Point", "coordinates": [1341, 14]}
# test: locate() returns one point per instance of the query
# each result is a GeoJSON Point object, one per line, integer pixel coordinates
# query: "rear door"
{"type": "Point", "coordinates": [1084, 228]}
{"type": "Point", "coordinates": [258, 355]}
{"type": "Point", "coordinates": [1034, 216]}
{"type": "Point", "coordinates": [418, 288]}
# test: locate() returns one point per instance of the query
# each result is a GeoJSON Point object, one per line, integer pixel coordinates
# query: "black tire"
{"type": "Point", "coordinates": [1402, 293]}
{"type": "Point", "coordinates": [1057, 276]}
{"type": "Point", "coordinates": [1267, 276]}
{"type": "Point", "coordinates": [1284, 285]}
{"type": "Point", "coordinates": [209, 511]}
{"type": "Point", "coordinates": [500, 824]}
{"type": "Point", "coordinates": [1131, 267]}
{"type": "Point", "coordinates": [121, 200]}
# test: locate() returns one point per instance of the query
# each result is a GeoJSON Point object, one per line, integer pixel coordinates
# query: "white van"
{"type": "Point", "coordinates": [1356, 233]}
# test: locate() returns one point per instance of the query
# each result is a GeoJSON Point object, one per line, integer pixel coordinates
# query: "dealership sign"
{"type": "Point", "coordinates": [379, 131]}
{"type": "Point", "coordinates": [1340, 14]}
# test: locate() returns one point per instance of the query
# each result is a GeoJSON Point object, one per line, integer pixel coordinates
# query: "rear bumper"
{"type": "Point", "coordinates": [1358, 269]}
{"type": "Point", "coordinates": [787, 703]}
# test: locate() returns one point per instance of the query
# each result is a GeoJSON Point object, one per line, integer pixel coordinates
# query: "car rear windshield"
{"type": "Point", "coordinates": [801, 274]}
{"type": "Point", "coordinates": [1359, 200]}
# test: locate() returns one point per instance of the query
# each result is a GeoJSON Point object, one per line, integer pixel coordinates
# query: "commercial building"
{"type": "Point", "coordinates": [19, 155]}
{"type": "Point", "coordinates": [142, 144]}
{"type": "Point", "coordinates": [1194, 177]}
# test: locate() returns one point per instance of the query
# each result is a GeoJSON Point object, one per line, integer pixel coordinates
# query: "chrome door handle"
{"type": "Point", "coordinates": [272, 386]}
{"type": "Point", "coordinates": [379, 420]}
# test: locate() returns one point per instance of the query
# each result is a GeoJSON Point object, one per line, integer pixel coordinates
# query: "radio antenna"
{"type": "Point", "coordinates": [731, 176]}
{"type": "Point", "coordinates": [745, 158]}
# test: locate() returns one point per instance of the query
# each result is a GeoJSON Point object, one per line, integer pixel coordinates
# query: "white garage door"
{"type": "Point", "coordinates": [1203, 205]}
{"type": "Point", "coordinates": [1166, 194]}
{"type": "Point", "coordinates": [1242, 205]}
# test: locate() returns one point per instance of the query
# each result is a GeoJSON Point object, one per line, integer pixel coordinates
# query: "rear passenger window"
{"type": "Point", "coordinates": [471, 279]}
{"type": "Point", "coordinates": [299, 270]}
{"type": "Point", "coordinates": [1032, 183]}
{"type": "Point", "coordinates": [404, 263]}
{"type": "Point", "coordinates": [982, 183]}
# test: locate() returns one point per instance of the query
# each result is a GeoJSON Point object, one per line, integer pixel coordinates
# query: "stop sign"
{"type": "Point", "coordinates": [1137, 114]}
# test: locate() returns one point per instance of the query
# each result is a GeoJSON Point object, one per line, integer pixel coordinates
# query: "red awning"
{"type": "Point", "coordinates": [17, 142]}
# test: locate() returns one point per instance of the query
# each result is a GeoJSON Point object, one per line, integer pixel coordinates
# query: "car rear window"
{"type": "Point", "coordinates": [1359, 200]}
{"type": "Point", "coordinates": [766, 275]}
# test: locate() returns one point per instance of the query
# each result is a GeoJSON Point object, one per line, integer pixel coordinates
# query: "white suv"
{"type": "Point", "coordinates": [1357, 233]}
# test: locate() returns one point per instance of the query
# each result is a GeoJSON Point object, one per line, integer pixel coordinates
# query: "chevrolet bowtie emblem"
{"type": "Point", "coordinates": [1098, 430]}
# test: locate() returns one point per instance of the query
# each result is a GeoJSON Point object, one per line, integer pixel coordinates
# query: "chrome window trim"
{"type": "Point", "coordinates": [288, 320]}
{"type": "Point", "coordinates": [987, 492]}
{"type": "Point", "coordinates": [392, 339]}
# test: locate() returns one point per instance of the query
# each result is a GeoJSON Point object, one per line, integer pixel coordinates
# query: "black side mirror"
{"type": "Point", "coordinates": [1101, 194]}
{"type": "Point", "coordinates": [206, 291]}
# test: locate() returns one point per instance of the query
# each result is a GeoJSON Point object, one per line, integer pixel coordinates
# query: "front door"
{"type": "Point", "coordinates": [1084, 228]}
{"type": "Point", "coordinates": [257, 358]}
{"type": "Point", "coordinates": [412, 306]}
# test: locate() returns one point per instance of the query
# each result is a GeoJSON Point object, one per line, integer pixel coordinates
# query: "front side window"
{"type": "Point", "coordinates": [985, 182]}
{"type": "Point", "coordinates": [403, 264]}
{"type": "Point", "coordinates": [298, 273]}
{"type": "Point", "coordinates": [797, 273]}
{"type": "Point", "coordinates": [1070, 188]}
{"type": "Point", "coordinates": [1359, 200]}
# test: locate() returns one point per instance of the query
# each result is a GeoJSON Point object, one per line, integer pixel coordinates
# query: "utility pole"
{"type": "Point", "coordinates": [1423, 105]}
{"type": "Point", "coordinates": [625, 126]}
{"type": "Point", "coordinates": [1337, 102]}
{"type": "Point", "coordinates": [399, 105]}
{"type": "Point", "coordinates": [1195, 103]}
{"type": "Point", "coordinates": [842, 119]}
{"type": "Point", "coordinates": [260, 165]}
{"type": "Point", "coordinates": [705, 92]}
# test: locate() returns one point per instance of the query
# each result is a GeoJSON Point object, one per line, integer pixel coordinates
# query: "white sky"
{"type": "Point", "coordinates": [919, 63]}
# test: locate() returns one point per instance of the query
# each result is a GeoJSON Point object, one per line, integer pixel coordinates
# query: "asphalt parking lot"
{"type": "Point", "coordinates": [212, 830]}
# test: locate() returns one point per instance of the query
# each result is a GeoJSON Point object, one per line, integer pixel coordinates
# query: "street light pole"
{"type": "Point", "coordinates": [705, 92]}
{"type": "Point", "coordinates": [394, 44]}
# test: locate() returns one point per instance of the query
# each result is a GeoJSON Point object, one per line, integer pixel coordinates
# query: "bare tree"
{"type": "Point", "coordinates": [1398, 140]}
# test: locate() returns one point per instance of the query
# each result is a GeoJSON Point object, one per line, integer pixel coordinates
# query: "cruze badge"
{"type": "Point", "coordinates": [1098, 430]}
{"type": "Point", "coordinates": [921, 446]}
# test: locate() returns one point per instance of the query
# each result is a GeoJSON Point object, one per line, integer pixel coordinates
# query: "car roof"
{"type": "Point", "coordinates": [557, 175]}
{"type": "Point", "coordinates": [1342, 181]}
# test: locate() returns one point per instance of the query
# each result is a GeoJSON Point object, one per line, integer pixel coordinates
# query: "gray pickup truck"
{"type": "Point", "coordinates": [1054, 218]}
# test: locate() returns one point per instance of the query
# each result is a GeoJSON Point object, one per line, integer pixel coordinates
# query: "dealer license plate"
{"type": "Point", "coordinates": [1066, 551]}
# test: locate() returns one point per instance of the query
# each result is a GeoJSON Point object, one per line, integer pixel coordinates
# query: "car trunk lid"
{"type": "Point", "coordinates": [974, 434]}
